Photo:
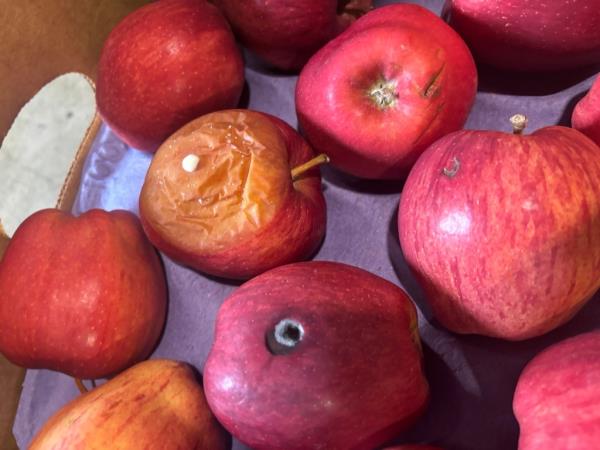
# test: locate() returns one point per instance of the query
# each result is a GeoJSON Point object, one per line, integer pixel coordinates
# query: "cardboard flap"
{"type": "Point", "coordinates": [43, 39]}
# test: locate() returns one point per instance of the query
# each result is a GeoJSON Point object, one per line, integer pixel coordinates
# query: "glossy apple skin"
{"type": "Point", "coordinates": [154, 404]}
{"type": "Point", "coordinates": [557, 396]}
{"type": "Point", "coordinates": [164, 65]}
{"type": "Point", "coordinates": [286, 33]}
{"type": "Point", "coordinates": [354, 380]}
{"type": "Point", "coordinates": [529, 35]}
{"type": "Point", "coordinates": [435, 84]}
{"type": "Point", "coordinates": [413, 447]}
{"type": "Point", "coordinates": [586, 115]}
{"type": "Point", "coordinates": [186, 215]}
{"type": "Point", "coordinates": [81, 295]}
{"type": "Point", "coordinates": [503, 230]}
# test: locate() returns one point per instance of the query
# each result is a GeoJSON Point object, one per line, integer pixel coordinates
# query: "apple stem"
{"type": "Point", "coordinates": [81, 386]}
{"type": "Point", "coordinates": [316, 161]}
{"type": "Point", "coordinates": [285, 336]}
{"type": "Point", "coordinates": [519, 123]}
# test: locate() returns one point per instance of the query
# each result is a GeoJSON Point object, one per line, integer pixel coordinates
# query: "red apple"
{"type": "Point", "coordinates": [376, 96]}
{"type": "Point", "coordinates": [164, 65]}
{"type": "Point", "coordinates": [413, 447]}
{"type": "Point", "coordinates": [503, 230]}
{"type": "Point", "coordinates": [557, 399]}
{"type": "Point", "coordinates": [316, 355]}
{"type": "Point", "coordinates": [220, 196]}
{"type": "Point", "coordinates": [285, 33]}
{"type": "Point", "coordinates": [529, 35]}
{"type": "Point", "coordinates": [156, 404]}
{"type": "Point", "coordinates": [82, 295]}
{"type": "Point", "coordinates": [586, 115]}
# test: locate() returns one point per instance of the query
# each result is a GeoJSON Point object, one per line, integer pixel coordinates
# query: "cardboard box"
{"type": "Point", "coordinates": [42, 40]}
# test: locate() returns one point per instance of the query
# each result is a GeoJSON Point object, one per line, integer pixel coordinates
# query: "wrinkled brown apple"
{"type": "Point", "coordinates": [228, 196]}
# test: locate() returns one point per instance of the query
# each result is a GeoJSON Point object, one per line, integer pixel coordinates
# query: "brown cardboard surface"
{"type": "Point", "coordinates": [41, 40]}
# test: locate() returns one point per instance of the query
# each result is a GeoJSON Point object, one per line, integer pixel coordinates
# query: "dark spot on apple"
{"type": "Point", "coordinates": [285, 336]}
{"type": "Point", "coordinates": [432, 86]}
{"type": "Point", "coordinates": [452, 171]}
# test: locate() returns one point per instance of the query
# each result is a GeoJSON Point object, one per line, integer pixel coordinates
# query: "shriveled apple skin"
{"type": "Point", "coordinates": [286, 33]}
{"type": "Point", "coordinates": [156, 404]}
{"type": "Point", "coordinates": [586, 115]}
{"type": "Point", "coordinates": [81, 295]}
{"type": "Point", "coordinates": [434, 79]}
{"type": "Point", "coordinates": [557, 399]}
{"type": "Point", "coordinates": [529, 35]}
{"type": "Point", "coordinates": [503, 231]}
{"type": "Point", "coordinates": [353, 382]}
{"type": "Point", "coordinates": [164, 65]}
{"type": "Point", "coordinates": [240, 213]}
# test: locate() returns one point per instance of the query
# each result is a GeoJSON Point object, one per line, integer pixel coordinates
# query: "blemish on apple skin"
{"type": "Point", "coordinates": [452, 171]}
{"type": "Point", "coordinates": [432, 86]}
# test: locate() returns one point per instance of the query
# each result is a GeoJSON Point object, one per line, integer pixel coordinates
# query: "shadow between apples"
{"type": "Point", "coordinates": [445, 410]}
{"type": "Point", "coordinates": [500, 81]}
{"type": "Point", "coordinates": [403, 272]}
{"type": "Point", "coordinates": [351, 183]}
{"type": "Point", "coordinates": [565, 118]}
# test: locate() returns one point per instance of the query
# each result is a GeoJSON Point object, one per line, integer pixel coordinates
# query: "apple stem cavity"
{"type": "Point", "coordinates": [519, 123]}
{"type": "Point", "coordinates": [383, 94]}
{"type": "Point", "coordinates": [302, 168]}
{"type": "Point", "coordinates": [81, 386]}
{"type": "Point", "coordinates": [285, 336]}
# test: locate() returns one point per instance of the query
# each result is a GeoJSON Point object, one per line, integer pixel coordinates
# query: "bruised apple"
{"type": "Point", "coordinates": [230, 195]}
{"type": "Point", "coordinates": [557, 399]}
{"type": "Point", "coordinates": [503, 230]}
{"type": "Point", "coordinates": [375, 97]}
{"type": "Point", "coordinates": [154, 404]}
{"type": "Point", "coordinates": [529, 35]}
{"type": "Point", "coordinates": [81, 295]}
{"type": "Point", "coordinates": [285, 33]}
{"type": "Point", "coordinates": [586, 115]}
{"type": "Point", "coordinates": [164, 65]}
{"type": "Point", "coordinates": [316, 355]}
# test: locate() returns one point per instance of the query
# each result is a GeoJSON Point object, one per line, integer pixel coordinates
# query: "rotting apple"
{"type": "Point", "coordinates": [557, 398]}
{"type": "Point", "coordinates": [286, 33]}
{"type": "Point", "coordinates": [316, 355]}
{"type": "Point", "coordinates": [529, 35]}
{"type": "Point", "coordinates": [376, 96]}
{"type": "Point", "coordinates": [81, 295]}
{"type": "Point", "coordinates": [586, 115]}
{"type": "Point", "coordinates": [164, 65]}
{"type": "Point", "coordinates": [503, 230]}
{"type": "Point", "coordinates": [229, 195]}
{"type": "Point", "coordinates": [154, 404]}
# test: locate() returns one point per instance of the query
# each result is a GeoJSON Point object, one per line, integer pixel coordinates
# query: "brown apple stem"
{"type": "Point", "coordinates": [316, 161]}
{"type": "Point", "coordinates": [519, 123]}
{"type": "Point", "coordinates": [285, 336]}
{"type": "Point", "coordinates": [80, 386]}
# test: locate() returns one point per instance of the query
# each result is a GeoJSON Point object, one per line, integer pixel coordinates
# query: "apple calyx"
{"type": "Point", "coordinates": [285, 336]}
{"type": "Point", "coordinates": [383, 93]}
{"type": "Point", "coordinates": [519, 123]}
{"type": "Point", "coordinates": [302, 168]}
